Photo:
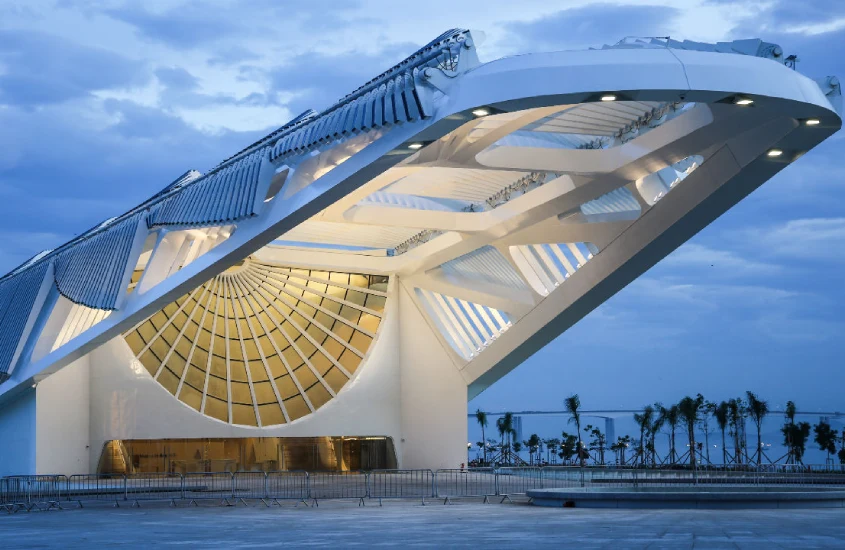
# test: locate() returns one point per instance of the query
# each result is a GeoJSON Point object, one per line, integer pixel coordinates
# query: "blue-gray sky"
{"type": "Point", "coordinates": [104, 102]}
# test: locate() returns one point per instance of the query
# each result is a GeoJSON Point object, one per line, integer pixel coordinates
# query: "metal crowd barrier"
{"type": "Point", "coordinates": [401, 484]}
{"type": "Point", "coordinates": [291, 485]}
{"type": "Point", "coordinates": [154, 486]}
{"type": "Point", "coordinates": [96, 487]}
{"type": "Point", "coordinates": [473, 482]}
{"type": "Point", "coordinates": [209, 486]}
{"type": "Point", "coordinates": [45, 492]}
{"type": "Point", "coordinates": [337, 485]}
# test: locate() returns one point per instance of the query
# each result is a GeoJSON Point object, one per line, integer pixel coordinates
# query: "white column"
{"type": "Point", "coordinates": [62, 430]}
{"type": "Point", "coordinates": [433, 395]}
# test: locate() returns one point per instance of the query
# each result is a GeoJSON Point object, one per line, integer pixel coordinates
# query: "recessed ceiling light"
{"type": "Point", "coordinates": [743, 101]}
{"type": "Point", "coordinates": [812, 122]}
{"type": "Point", "coordinates": [608, 97]}
{"type": "Point", "coordinates": [481, 112]}
{"type": "Point", "coordinates": [415, 146]}
{"type": "Point", "coordinates": [774, 153]}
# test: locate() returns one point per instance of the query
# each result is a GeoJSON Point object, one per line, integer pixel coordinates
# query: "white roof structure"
{"type": "Point", "coordinates": [499, 203]}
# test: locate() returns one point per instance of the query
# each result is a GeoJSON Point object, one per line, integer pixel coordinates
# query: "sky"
{"type": "Point", "coordinates": [102, 103]}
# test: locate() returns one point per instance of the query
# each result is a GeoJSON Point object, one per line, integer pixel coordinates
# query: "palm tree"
{"type": "Point", "coordinates": [656, 425]}
{"type": "Point", "coordinates": [481, 417]}
{"type": "Point", "coordinates": [788, 431]}
{"type": "Point", "coordinates": [720, 413]}
{"type": "Point", "coordinates": [643, 420]}
{"type": "Point", "coordinates": [825, 438]}
{"type": "Point", "coordinates": [673, 418]}
{"type": "Point", "coordinates": [504, 425]}
{"type": "Point", "coordinates": [502, 429]}
{"type": "Point", "coordinates": [573, 406]}
{"type": "Point", "coordinates": [533, 444]}
{"type": "Point", "coordinates": [706, 413]}
{"type": "Point", "coordinates": [688, 410]}
{"type": "Point", "coordinates": [758, 410]}
{"type": "Point", "coordinates": [736, 414]}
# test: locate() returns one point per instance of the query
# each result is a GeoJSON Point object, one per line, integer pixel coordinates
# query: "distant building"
{"type": "Point", "coordinates": [517, 427]}
{"type": "Point", "coordinates": [331, 296]}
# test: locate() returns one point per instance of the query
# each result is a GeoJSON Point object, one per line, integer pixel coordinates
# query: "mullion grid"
{"type": "Point", "coordinates": [236, 298]}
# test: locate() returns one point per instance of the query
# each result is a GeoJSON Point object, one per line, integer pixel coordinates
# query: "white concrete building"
{"type": "Point", "coordinates": [332, 295]}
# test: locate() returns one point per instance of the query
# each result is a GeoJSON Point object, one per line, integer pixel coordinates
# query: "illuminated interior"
{"type": "Point", "coordinates": [246, 454]}
{"type": "Point", "coordinates": [262, 345]}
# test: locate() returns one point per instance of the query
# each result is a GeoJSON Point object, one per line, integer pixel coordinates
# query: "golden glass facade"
{"type": "Point", "coordinates": [246, 454]}
{"type": "Point", "coordinates": [262, 345]}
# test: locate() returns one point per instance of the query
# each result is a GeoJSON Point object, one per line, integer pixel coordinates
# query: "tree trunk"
{"type": "Point", "coordinates": [484, 444]}
{"type": "Point", "coordinates": [759, 447]}
{"type": "Point", "coordinates": [691, 430]}
{"type": "Point", "coordinates": [672, 457]}
{"type": "Point", "coordinates": [724, 449]}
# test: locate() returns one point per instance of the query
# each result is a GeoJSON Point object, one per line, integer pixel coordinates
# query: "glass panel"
{"type": "Point", "coordinates": [217, 409]}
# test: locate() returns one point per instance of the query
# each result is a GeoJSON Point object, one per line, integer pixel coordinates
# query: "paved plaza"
{"type": "Point", "coordinates": [343, 524]}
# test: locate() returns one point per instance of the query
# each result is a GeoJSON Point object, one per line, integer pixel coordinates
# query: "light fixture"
{"type": "Point", "coordinates": [608, 97]}
{"type": "Point", "coordinates": [415, 146]}
{"type": "Point", "coordinates": [812, 122]}
{"type": "Point", "coordinates": [743, 101]}
{"type": "Point", "coordinates": [774, 153]}
{"type": "Point", "coordinates": [481, 112]}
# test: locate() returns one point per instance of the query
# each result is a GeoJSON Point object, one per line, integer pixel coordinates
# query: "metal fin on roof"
{"type": "Point", "coordinates": [226, 195]}
{"type": "Point", "coordinates": [91, 272]}
{"type": "Point", "coordinates": [748, 46]}
{"type": "Point", "coordinates": [391, 98]}
{"type": "Point", "coordinates": [17, 297]}
{"type": "Point", "coordinates": [185, 178]}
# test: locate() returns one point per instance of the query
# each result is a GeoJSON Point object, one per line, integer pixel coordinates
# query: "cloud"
{"type": "Point", "coordinates": [592, 26]}
{"type": "Point", "coordinates": [789, 15]}
{"type": "Point", "coordinates": [708, 296]}
{"type": "Point", "coordinates": [711, 262]}
{"type": "Point", "coordinates": [819, 239]}
{"type": "Point", "coordinates": [193, 24]}
{"type": "Point", "coordinates": [319, 80]}
{"type": "Point", "coordinates": [44, 69]}
{"type": "Point", "coordinates": [176, 78]}
{"type": "Point", "coordinates": [788, 328]}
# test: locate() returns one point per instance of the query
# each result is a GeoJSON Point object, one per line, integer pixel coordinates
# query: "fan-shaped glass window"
{"type": "Point", "coordinates": [261, 345]}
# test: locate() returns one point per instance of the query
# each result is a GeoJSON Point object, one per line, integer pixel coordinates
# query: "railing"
{"type": "Point", "coordinates": [474, 482]}
{"type": "Point", "coordinates": [140, 487]}
{"type": "Point", "coordinates": [291, 485]}
{"type": "Point", "coordinates": [401, 484]}
{"type": "Point", "coordinates": [338, 485]}
{"type": "Point", "coordinates": [218, 486]}
{"type": "Point", "coordinates": [45, 492]}
{"type": "Point", "coordinates": [96, 487]}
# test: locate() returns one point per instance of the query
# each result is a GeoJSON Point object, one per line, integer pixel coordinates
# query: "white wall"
{"type": "Point", "coordinates": [17, 435]}
{"type": "Point", "coordinates": [62, 410]}
{"type": "Point", "coordinates": [434, 396]}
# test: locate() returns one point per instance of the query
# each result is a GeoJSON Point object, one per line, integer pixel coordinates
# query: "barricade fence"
{"type": "Point", "coordinates": [44, 492]}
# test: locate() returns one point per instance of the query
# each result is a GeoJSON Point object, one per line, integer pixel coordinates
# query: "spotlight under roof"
{"type": "Point", "coordinates": [481, 112]}
{"type": "Point", "coordinates": [774, 153]}
{"type": "Point", "coordinates": [743, 101]}
{"type": "Point", "coordinates": [608, 97]}
{"type": "Point", "coordinates": [415, 146]}
{"type": "Point", "coordinates": [812, 122]}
